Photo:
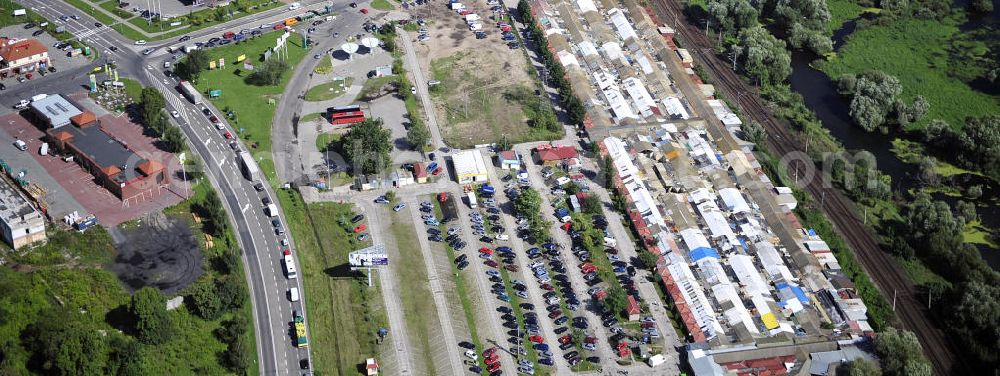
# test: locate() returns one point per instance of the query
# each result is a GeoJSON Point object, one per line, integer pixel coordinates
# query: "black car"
{"type": "Point", "coordinates": [354, 5]}
{"type": "Point", "coordinates": [37, 33]}
{"type": "Point", "coordinates": [462, 265]}
{"type": "Point", "coordinates": [98, 24]}
{"type": "Point", "coordinates": [3, 87]}
{"type": "Point", "coordinates": [566, 345]}
{"type": "Point", "coordinates": [571, 354]}
{"type": "Point", "coordinates": [433, 231]}
{"type": "Point", "coordinates": [528, 306]}
{"type": "Point", "coordinates": [29, 25]}
{"type": "Point", "coordinates": [184, 38]}
{"type": "Point", "coordinates": [266, 200]}
{"type": "Point", "coordinates": [304, 363]}
{"type": "Point", "coordinates": [466, 345]}
{"type": "Point", "coordinates": [461, 258]}
{"type": "Point", "coordinates": [358, 218]}
{"type": "Point", "coordinates": [561, 330]}
{"type": "Point", "coordinates": [486, 239]}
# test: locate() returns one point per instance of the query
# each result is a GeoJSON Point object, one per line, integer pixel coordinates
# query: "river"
{"type": "Point", "coordinates": [820, 95]}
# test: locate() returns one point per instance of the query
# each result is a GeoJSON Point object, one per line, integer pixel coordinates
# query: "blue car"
{"type": "Point", "coordinates": [545, 361]}
{"type": "Point", "coordinates": [540, 347]}
{"type": "Point", "coordinates": [503, 249]}
{"type": "Point", "coordinates": [504, 297]}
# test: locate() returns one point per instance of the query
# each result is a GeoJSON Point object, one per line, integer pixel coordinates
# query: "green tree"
{"type": "Point", "coordinates": [390, 196]}
{"type": "Point", "coordinates": [67, 344]}
{"type": "Point", "coordinates": [152, 324]}
{"type": "Point", "coordinates": [238, 356]}
{"type": "Point", "coordinates": [216, 213]}
{"type": "Point", "coordinates": [151, 104]}
{"type": "Point", "coordinates": [980, 145]}
{"type": "Point", "coordinates": [232, 292]}
{"type": "Point", "coordinates": [874, 96]}
{"type": "Point", "coordinates": [763, 57]}
{"type": "Point", "coordinates": [205, 300]}
{"type": "Point", "coordinates": [859, 367]}
{"type": "Point", "coordinates": [367, 146]}
{"type": "Point", "coordinates": [126, 357]}
{"type": "Point", "coordinates": [192, 66]}
{"type": "Point", "coordinates": [981, 6]}
{"type": "Point", "coordinates": [754, 132]}
{"type": "Point", "coordinates": [418, 135]}
{"type": "Point", "coordinates": [899, 352]}
{"type": "Point", "coordinates": [173, 138]}
{"type": "Point", "coordinates": [617, 299]}
{"type": "Point", "coordinates": [731, 16]}
{"type": "Point", "coordinates": [918, 109]}
{"type": "Point", "coordinates": [268, 74]}
{"type": "Point", "coordinates": [648, 259]}
{"type": "Point", "coordinates": [592, 205]}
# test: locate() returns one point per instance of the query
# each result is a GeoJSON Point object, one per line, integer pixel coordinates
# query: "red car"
{"type": "Point", "coordinates": [493, 359]}
{"type": "Point", "coordinates": [485, 250]}
{"type": "Point", "coordinates": [555, 314]}
{"type": "Point", "coordinates": [360, 228]}
{"type": "Point", "coordinates": [565, 339]}
{"type": "Point", "coordinates": [493, 367]}
{"type": "Point", "coordinates": [437, 171]}
{"type": "Point", "coordinates": [547, 287]}
{"type": "Point", "coordinates": [287, 252]}
{"type": "Point", "coordinates": [279, 26]}
{"type": "Point", "coordinates": [489, 352]}
{"type": "Point", "coordinates": [512, 268]}
{"type": "Point", "coordinates": [536, 339]}
{"type": "Point", "coordinates": [492, 264]}
{"type": "Point", "coordinates": [229, 35]}
{"type": "Point", "coordinates": [364, 10]}
{"type": "Point", "coordinates": [229, 136]}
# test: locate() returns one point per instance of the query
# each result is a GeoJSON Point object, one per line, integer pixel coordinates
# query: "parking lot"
{"type": "Point", "coordinates": [59, 59]}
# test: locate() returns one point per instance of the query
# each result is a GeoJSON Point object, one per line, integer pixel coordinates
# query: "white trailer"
{"type": "Point", "coordinates": [248, 166]}
{"type": "Point", "coordinates": [472, 200]}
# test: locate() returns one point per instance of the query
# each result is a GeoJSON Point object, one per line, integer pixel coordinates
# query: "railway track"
{"type": "Point", "coordinates": [879, 265]}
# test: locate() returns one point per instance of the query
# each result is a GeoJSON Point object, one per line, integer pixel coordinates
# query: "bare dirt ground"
{"type": "Point", "coordinates": [160, 252]}
{"type": "Point", "coordinates": [474, 75]}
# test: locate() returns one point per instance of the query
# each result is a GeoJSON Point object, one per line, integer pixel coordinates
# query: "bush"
{"type": "Point", "coordinates": [268, 74]}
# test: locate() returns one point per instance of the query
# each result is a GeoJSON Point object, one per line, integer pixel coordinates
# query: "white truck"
{"type": "Point", "coordinates": [472, 200]}
{"type": "Point", "coordinates": [272, 210]}
{"type": "Point", "coordinates": [247, 165]}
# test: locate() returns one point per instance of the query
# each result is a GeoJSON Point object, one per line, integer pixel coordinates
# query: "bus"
{"type": "Point", "coordinates": [346, 114]}
{"type": "Point", "coordinates": [290, 267]}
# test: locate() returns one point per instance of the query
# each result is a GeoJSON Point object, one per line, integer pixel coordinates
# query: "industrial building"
{"type": "Point", "coordinates": [470, 167]}
{"type": "Point", "coordinates": [115, 166]}
{"type": "Point", "coordinates": [22, 223]}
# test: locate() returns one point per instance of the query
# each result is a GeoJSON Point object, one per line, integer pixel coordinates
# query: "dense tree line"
{"type": "Point", "coordinates": [969, 305]}
{"type": "Point", "coordinates": [556, 75]}
{"type": "Point", "coordinates": [151, 112]}
{"type": "Point", "coordinates": [976, 146]}
{"type": "Point", "coordinates": [762, 57]}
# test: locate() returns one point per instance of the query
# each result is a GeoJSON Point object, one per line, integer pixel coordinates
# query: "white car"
{"type": "Point", "coordinates": [175, 114]}
{"type": "Point", "coordinates": [140, 42]}
{"type": "Point", "coordinates": [471, 354]}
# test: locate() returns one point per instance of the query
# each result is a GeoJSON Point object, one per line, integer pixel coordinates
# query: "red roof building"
{"type": "Point", "coordinates": [21, 56]}
{"type": "Point", "coordinates": [419, 173]}
{"type": "Point", "coordinates": [633, 309]}
{"type": "Point", "coordinates": [553, 155]}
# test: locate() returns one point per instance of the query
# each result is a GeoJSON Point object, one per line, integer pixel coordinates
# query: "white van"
{"type": "Point", "coordinates": [20, 145]}
{"type": "Point", "coordinates": [294, 6]}
{"type": "Point", "coordinates": [293, 294]}
{"type": "Point", "coordinates": [562, 181]}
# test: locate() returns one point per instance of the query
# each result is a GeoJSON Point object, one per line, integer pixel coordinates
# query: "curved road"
{"type": "Point", "coordinates": [260, 245]}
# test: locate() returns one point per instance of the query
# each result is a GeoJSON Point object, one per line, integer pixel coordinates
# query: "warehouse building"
{"type": "Point", "coordinates": [22, 223]}
{"type": "Point", "coordinates": [54, 110]}
{"type": "Point", "coordinates": [470, 167]}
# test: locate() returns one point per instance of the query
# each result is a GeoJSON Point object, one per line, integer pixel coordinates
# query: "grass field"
{"type": "Point", "coordinates": [841, 11]}
{"type": "Point", "coordinates": [419, 311]}
{"type": "Point", "coordinates": [189, 22]}
{"type": "Point", "coordinates": [325, 65]}
{"type": "Point", "coordinates": [975, 233]}
{"type": "Point", "coordinates": [472, 102]}
{"type": "Point", "coordinates": [329, 90]}
{"type": "Point", "coordinates": [344, 313]}
{"type": "Point", "coordinates": [251, 103]}
{"type": "Point", "coordinates": [917, 52]}
{"type": "Point", "coordinates": [384, 5]}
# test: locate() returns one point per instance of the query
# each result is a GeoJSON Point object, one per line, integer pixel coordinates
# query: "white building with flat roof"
{"type": "Point", "coordinates": [470, 167]}
{"type": "Point", "coordinates": [20, 221]}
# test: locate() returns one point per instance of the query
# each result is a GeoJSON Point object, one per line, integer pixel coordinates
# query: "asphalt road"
{"type": "Point", "coordinates": [261, 247]}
